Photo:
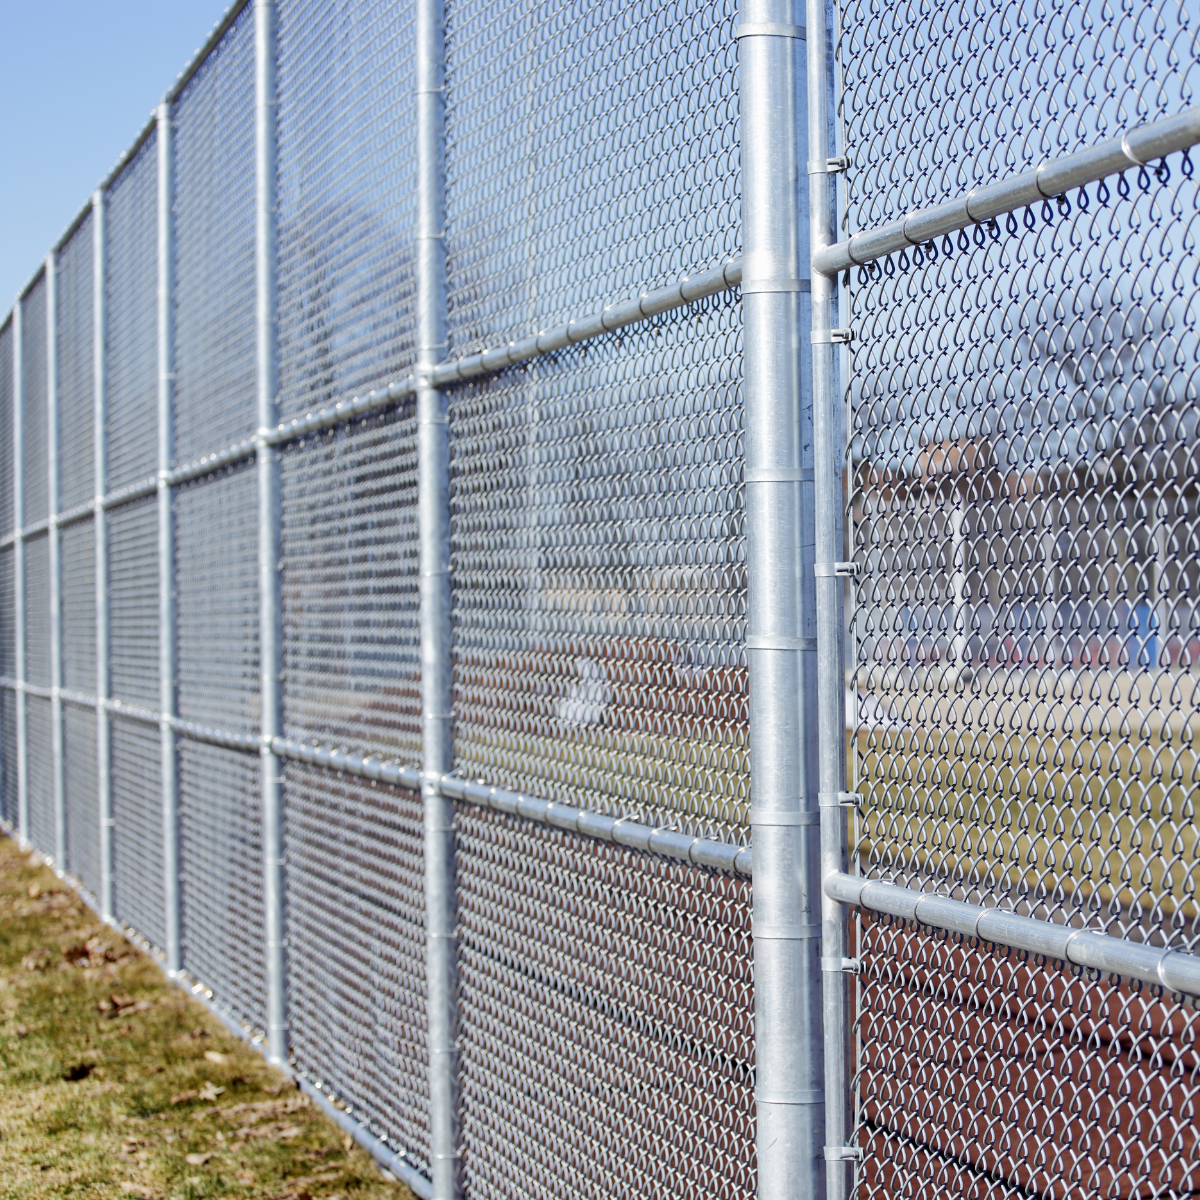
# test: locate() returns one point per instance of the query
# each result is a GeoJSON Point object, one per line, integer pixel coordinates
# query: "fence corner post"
{"type": "Point", "coordinates": [780, 641]}
{"type": "Point", "coordinates": [19, 571]}
{"type": "Point", "coordinates": [433, 503]}
{"type": "Point", "coordinates": [270, 629]}
{"type": "Point", "coordinates": [59, 783]}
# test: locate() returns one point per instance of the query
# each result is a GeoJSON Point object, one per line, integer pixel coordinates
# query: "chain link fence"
{"type": "Point", "coordinates": [228, 502]}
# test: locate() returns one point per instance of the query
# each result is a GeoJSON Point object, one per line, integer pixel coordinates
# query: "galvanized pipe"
{"type": "Point", "coordinates": [55, 551]}
{"type": "Point", "coordinates": [830, 677]}
{"type": "Point", "coordinates": [780, 641]}
{"type": "Point", "coordinates": [1050, 179]}
{"type": "Point", "coordinates": [433, 501]}
{"type": "Point", "coordinates": [19, 571]}
{"type": "Point", "coordinates": [100, 456]}
{"type": "Point", "coordinates": [270, 598]}
{"type": "Point", "coordinates": [1172, 969]}
{"type": "Point", "coordinates": [172, 898]}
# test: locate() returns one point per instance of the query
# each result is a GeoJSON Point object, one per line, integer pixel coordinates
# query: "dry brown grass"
{"type": "Point", "coordinates": [115, 1084]}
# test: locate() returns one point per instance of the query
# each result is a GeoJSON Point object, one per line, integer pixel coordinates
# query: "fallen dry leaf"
{"type": "Point", "coordinates": [183, 1097]}
{"type": "Point", "coordinates": [245, 1177]}
{"type": "Point", "coordinates": [215, 1056]}
{"type": "Point", "coordinates": [35, 890]}
{"type": "Point", "coordinates": [347, 1143]}
{"type": "Point", "coordinates": [22, 1031]}
{"type": "Point", "coordinates": [197, 1160]}
{"type": "Point", "coordinates": [137, 1189]}
{"type": "Point", "coordinates": [210, 1092]}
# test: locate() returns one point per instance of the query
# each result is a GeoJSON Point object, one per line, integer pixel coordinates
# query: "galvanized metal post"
{"type": "Point", "coordinates": [18, 358]}
{"type": "Point", "coordinates": [52, 489]}
{"type": "Point", "coordinates": [780, 641]}
{"type": "Point", "coordinates": [433, 469]}
{"type": "Point", "coordinates": [172, 899]}
{"type": "Point", "coordinates": [830, 573]}
{"type": "Point", "coordinates": [100, 518]}
{"type": "Point", "coordinates": [270, 636]}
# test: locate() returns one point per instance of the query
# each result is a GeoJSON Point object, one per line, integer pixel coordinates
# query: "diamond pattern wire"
{"type": "Point", "coordinates": [216, 575]}
{"type": "Point", "coordinates": [133, 601]}
{"type": "Point", "coordinates": [132, 287]}
{"type": "Point", "coordinates": [221, 875]}
{"type": "Point", "coordinates": [33, 381]}
{"type": "Point", "coordinates": [214, 248]}
{"type": "Point", "coordinates": [347, 182]}
{"type": "Point", "coordinates": [37, 610]}
{"type": "Point", "coordinates": [1025, 632]}
{"type": "Point", "coordinates": [607, 1010]}
{"type": "Point", "coordinates": [41, 774]}
{"type": "Point", "coordinates": [76, 389]}
{"type": "Point", "coordinates": [9, 802]}
{"type": "Point", "coordinates": [138, 829]}
{"type": "Point", "coordinates": [356, 939]}
{"type": "Point", "coordinates": [6, 436]}
{"type": "Point", "coordinates": [78, 550]}
{"type": "Point", "coordinates": [595, 154]}
{"type": "Point", "coordinates": [82, 796]}
{"type": "Point", "coordinates": [351, 642]}
{"type": "Point", "coordinates": [596, 504]}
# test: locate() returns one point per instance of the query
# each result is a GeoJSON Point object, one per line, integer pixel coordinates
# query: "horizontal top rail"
{"type": "Point", "coordinates": [1137, 147]}
{"type": "Point", "coordinates": [1173, 969]}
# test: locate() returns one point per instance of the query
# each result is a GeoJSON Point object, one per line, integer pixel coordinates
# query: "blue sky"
{"type": "Point", "coordinates": [78, 80]}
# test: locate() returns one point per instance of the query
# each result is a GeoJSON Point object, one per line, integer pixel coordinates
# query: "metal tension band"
{"type": "Point", "coordinates": [786, 933]}
{"type": "Point", "coordinates": [815, 1096]}
{"type": "Point", "coordinates": [780, 475]}
{"type": "Point", "coordinates": [831, 570]}
{"type": "Point", "coordinates": [766, 642]}
{"type": "Point", "coordinates": [784, 819]}
{"type": "Point", "coordinates": [751, 286]}
{"type": "Point", "coordinates": [827, 337]}
{"type": "Point", "coordinates": [852, 966]}
{"type": "Point", "coordinates": [843, 1153]}
{"type": "Point", "coordinates": [839, 799]}
{"type": "Point", "coordinates": [769, 29]}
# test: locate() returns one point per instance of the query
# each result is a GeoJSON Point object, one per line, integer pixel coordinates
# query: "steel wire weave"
{"type": "Point", "coordinates": [35, 410]}
{"type": "Point", "coordinates": [220, 872]}
{"type": "Point", "coordinates": [606, 1002]}
{"type": "Point", "coordinates": [214, 248]}
{"type": "Point", "coordinates": [40, 767]}
{"type": "Point", "coordinates": [347, 186]}
{"type": "Point", "coordinates": [6, 439]}
{"type": "Point", "coordinates": [78, 551]}
{"type": "Point", "coordinates": [1024, 633]}
{"type": "Point", "coordinates": [216, 575]}
{"type": "Point", "coordinates": [356, 937]}
{"type": "Point", "coordinates": [9, 803]}
{"type": "Point", "coordinates": [37, 610]}
{"type": "Point", "coordinates": [133, 602]}
{"type": "Point", "coordinates": [351, 641]}
{"type": "Point", "coordinates": [131, 283]}
{"type": "Point", "coordinates": [137, 829]}
{"type": "Point", "coordinates": [82, 796]}
{"type": "Point", "coordinates": [596, 496]}
{"type": "Point", "coordinates": [76, 388]}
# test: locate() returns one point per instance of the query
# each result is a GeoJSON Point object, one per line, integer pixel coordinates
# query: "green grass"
{"type": "Point", "coordinates": [114, 1084]}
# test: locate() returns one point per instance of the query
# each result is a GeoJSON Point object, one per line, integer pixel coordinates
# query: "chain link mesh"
{"type": "Point", "coordinates": [221, 874]}
{"type": "Point", "coordinates": [40, 766]}
{"type": "Point", "coordinates": [34, 414]}
{"type": "Point", "coordinates": [214, 248]}
{"type": "Point", "coordinates": [596, 497]}
{"type": "Point", "coordinates": [37, 610]}
{"type": "Point", "coordinates": [6, 438]}
{"type": "Point", "coordinates": [133, 601]}
{"type": "Point", "coordinates": [8, 695]}
{"type": "Point", "coordinates": [216, 574]}
{"type": "Point", "coordinates": [131, 228]}
{"type": "Point", "coordinates": [82, 796]}
{"type": "Point", "coordinates": [76, 389]}
{"type": "Point", "coordinates": [347, 182]}
{"type": "Point", "coordinates": [356, 938]}
{"type": "Point", "coordinates": [607, 1008]}
{"type": "Point", "coordinates": [1024, 634]}
{"type": "Point", "coordinates": [78, 549]}
{"type": "Point", "coordinates": [351, 648]}
{"type": "Point", "coordinates": [138, 828]}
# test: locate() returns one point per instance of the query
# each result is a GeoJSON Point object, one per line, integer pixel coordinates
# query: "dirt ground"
{"type": "Point", "coordinates": [115, 1084]}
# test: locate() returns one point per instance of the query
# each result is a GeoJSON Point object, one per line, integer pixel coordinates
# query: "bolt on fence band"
{"type": "Point", "coordinates": [622, 675]}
